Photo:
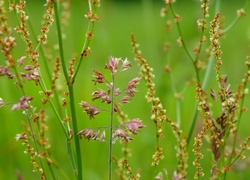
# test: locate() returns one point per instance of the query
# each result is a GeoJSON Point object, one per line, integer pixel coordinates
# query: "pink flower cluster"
{"type": "Point", "coordinates": [121, 131]}
{"type": "Point", "coordinates": [109, 96]}
{"type": "Point", "coordinates": [132, 126]}
{"type": "Point", "coordinates": [102, 94]}
{"type": "Point", "coordinates": [98, 77]}
{"type": "Point", "coordinates": [89, 109]}
{"type": "Point", "coordinates": [4, 71]}
{"type": "Point", "coordinates": [91, 134]}
{"type": "Point", "coordinates": [131, 86]}
{"type": "Point", "coordinates": [105, 95]}
{"type": "Point", "coordinates": [23, 103]}
{"type": "Point", "coordinates": [113, 64]}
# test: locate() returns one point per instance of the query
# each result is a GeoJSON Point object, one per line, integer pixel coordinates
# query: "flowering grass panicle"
{"type": "Point", "coordinates": [111, 96]}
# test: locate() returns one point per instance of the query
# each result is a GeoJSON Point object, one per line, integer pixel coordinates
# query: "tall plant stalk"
{"type": "Point", "coordinates": [77, 171]}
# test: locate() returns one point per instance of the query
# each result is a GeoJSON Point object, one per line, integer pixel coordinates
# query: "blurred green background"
{"type": "Point", "coordinates": [118, 19]}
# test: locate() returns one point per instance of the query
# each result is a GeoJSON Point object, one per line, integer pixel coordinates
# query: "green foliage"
{"type": "Point", "coordinates": [194, 77]}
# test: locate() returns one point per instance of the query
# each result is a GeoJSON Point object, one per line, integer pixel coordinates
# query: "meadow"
{"type": "Point", "coordinates": [180, 80]}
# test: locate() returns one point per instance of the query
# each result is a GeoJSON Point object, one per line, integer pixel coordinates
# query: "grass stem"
{"type": "Point", "coordinates": [71, 95]}
{"type": "Point", "coordinates": [111, 128]}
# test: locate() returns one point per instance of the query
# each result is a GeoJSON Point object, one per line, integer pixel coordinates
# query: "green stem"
{"type": "Point", "coordinates": [208, 72]}
{"type": "Point", "coordinates": [59, 119]}
{"type": "Point", "coordinates": [177, 102]}
{"type": "Point", "coordinates": [180, 33]}
{"type": "Point", "coordinates": [234, 21]}
{"type": "Point", "coordinates": [75, 128]}
{"type": "Point", "coordinates": [111, 128]}
{"type": "Point", "coordinates": [195, 114]}
{"type": "Point", "coordinates": [71, 157]}
{"type": "Point", "coordinates": [87, 40]}
{"type": "Point", "coordinates": [85, 46]}
{"type": "Point", "coordinates": [59, 35]}
{"type": "Point", "coordinates": [78, 172]}
{"type": "Point", "coordinates": [43, 87]}
{"type": "Point", "coordinates": [194, 61]}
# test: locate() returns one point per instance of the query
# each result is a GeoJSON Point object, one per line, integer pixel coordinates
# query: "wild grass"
{"type": "Point", "coordinates": [173, 107]}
